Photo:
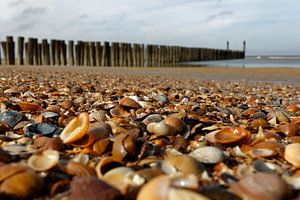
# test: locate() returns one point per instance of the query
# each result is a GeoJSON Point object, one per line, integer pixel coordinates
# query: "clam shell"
{"type": "Point", "coordinates": [101, 145]}
{"type": "Point", "coordinates": [9, 170]}
{"type": "Point", "coordinates": [157, 189]}
{"type": "Point", "coordinates": [28, 107]}
{"type": "Point", "coordinates": [208, 155]}
{"type": "Point", "coordinates": [93, 189]}
{"type": "Point", "coordinates": [26, 184]}
{"type": "Point", "coordinates": [291, 154]}
{"type": "Point", "coordinates": [289, 129]}
{"type": "Point", "coordinates": [152, 118]}
{"type": "Point", "coordinates": [231, 135]}
{"type": "Point", "coordinates": [179, 194]}
{"type": "Point", "coordinates": [76, 129]}
{"type": "Point", "coordinates": [176, 123]}
{"type": "Point", "coordinates": [105, 165]}
{"type": "Point", "coordinates": [44, 160]}
{"type": "Point", "coordinates": [124, 144]}
{"type": "Point", "coordinates": [264, 186]}
{"type": "Point", "coordinates": [128, 102]}
{"type": "Point", "coordinates": [160, 129]}
{"type": "Point", "coordinates": [186, 164]}
{"type": "Point", "coordinates": [11, 118]}
{"type": "Point", "coordinates": [77, 169]}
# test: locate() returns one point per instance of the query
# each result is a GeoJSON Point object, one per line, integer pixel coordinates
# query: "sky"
{"type": "Point", "coordinates": [270, 27]}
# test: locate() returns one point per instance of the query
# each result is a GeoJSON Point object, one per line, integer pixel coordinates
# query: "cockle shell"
{"type": "Point", "coordinates": [44, 161]}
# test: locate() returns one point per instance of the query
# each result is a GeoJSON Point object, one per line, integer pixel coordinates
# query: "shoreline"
{"type": "Point", "coordinates": [270, 75]}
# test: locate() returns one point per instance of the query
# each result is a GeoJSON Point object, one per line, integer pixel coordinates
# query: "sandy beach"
{"type": "Point", "coordinates": [276, 75]}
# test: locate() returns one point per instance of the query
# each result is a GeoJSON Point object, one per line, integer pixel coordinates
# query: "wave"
{"type": "Point", "coordinates": [283, 57]}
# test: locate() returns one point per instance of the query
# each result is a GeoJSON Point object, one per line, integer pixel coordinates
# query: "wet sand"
{"type": "Point", "coordinates": [276, 75]}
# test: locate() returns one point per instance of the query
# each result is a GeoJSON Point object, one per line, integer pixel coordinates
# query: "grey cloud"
{"type": "Point", "coordinates": [16, 3]}
{"type": "Point", "coordinates": [24, 26]}
{"type": "Point", "coordinates": [221, 14]}
{"type": "Point", "coordinates": [30, 11]}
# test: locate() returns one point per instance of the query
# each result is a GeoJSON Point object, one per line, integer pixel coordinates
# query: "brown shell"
{"type": "Point", "coordinates": [289, 129]}
{"type": "Point", "coordinates": [9, 170]}
{"type": "Point", "coordinates": [106, 164]}
{"type": "Point", "coordinates": [186, 164]}
{"type": "Point", "coordinates": [291, 154]}
{"type": "Point", "coordinates": [231, 135]}
{"type": "Point", "coordinates": [93, 188]}
{"type": "Point", "coordinates": [26, 184]}
{"type": "Point", "coordinates": [100, 146]}
{"type": "Point", "coordinates": [124, 144]}
{"type": "Point", "coordinates": [44, 161]}
{"type": "Point", "coordinates": [28, 107]}
{"type": "Point", "coordinates": [157, 188]}
{"type": "Point", "coordinates": [175, 123]}
{"type": "Point", "coordinates": [128, 102]}
{"type": "Point", "coordinates": [77, 169]}
{"type": "Point", "coordinates": [263, 186]}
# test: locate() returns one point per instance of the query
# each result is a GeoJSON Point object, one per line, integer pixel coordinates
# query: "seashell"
{"type": "Point", "coordinates": [217, 192]}
{"type": "Point", "coordinates": [231, 135]}
{"type": "Point", "coordinates": [44, 160]}
{"type": "Point", "coordinates": [105, 165]}
{"type": "Point", "coordinates": [176, 123]}
{"type": "Point", "coordinates": [79, 101]}
{"type": "Point", "coordinates": [291, 154]}
{"type": "Point", "coordinates": [264, 186]}
{"type": "Point", "coordinates": [259, 123]}
{"type": "Point", "coordinates": [55, 143]}
{"type": "Point", "coordinates": [187, 182]}
{"type": "Point", "coordinates": [294, 139]}
{"type": "Point", "coordinates": [120, 178]}
{"type": "Point", "coordinates": [162, 99]}
{"type": "Point", "coordinates": [99, 116]}
{"type": "Point", "coordinates": [45, 129]}
{"type": "Point", "coordinates": [186, 164]}
{"type": "Point", "coordinates": [208, 155]}
{"type": "Point", "coordinates": [76, 129]}
{"type": "Point", "coordinates": [93, 189]}
{"type": "Point", "coordinates": [101, 145]}
{"type": "Point", "coordinates": [292, 108]}
{"type": "Point", "coordinates": [12, 91]}
{"type": "Point", "coordinates": [28, 107]}
{"type": "Point", "coordinates": [130, 103]}
{"type": "Point", "coordinates": [11, 118]}
{"type": "Point", "coordinates": [124, 145]}
{"type": "Point", "coordinates": [66, 104]}
{"type": "Point", "coordinates": [23, 185]}
{"type": "Point", "coordinates": [50, 114]}
{"type": "Point", "coordinates": [40, 142]}
{"type": "Point", "coordinates": [282, 117]}
{"type": "Point", "coordinates": [4, 156]}
{"type": "Point", "coordinates": [16, 149]}
{"type": "Point", "coordinates": [179, 194]}
{"type": "Point", "coordinates": [152, 118]}
{"type": "Point", "coordinates": [149, 173]}
{"type": "Point", "coordinates": [160, 129]}
{"type": "Point", "coordinates": [9, 170]}
{"type": "Point", "coordinates": [289, 129]}
{"type": "Point", "coordinates": [53, 108]}
{"type": "Point", "coordinates": [77, 169]}
{"type": "Point", "coordinates": [77, 89]}
{"type": "Point", "coordinates": [157, 188]}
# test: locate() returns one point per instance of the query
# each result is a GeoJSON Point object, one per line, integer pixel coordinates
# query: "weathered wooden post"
{"type": "Point", "coordinates": [129, 55]}
{"type": "Point", "coordinates": [121, 54]}
{"type": "Point", "coordinates": [143, 55]}
{"type": "Point", "coordinates": [35, 51]}
{"type": "Point", "coordinates": [134, 55]}
{"type": "Point", "coordinates": [63, 52]}
{"type": "Point", "coordinates": [138, 55]}
{"type": "Point", "coordinates": [3, 45]}
{"type": "Point", "coordinates": [113, 54]}
{"type": "Point", "coordinates": [105, 61]}
{"type": "Point", "coordinates": [244, 49]}
{"type": "Point", "coordinates": [29, 52]}
{"type": "Point", "coordinates": [77, 54]}
{"type": "Point", "coordinates": [86, 54]}
{"type": "Point", "coordinates": [98, 53]}
{"type": "Point", "coordinates": [10, 50]}
{"type": "Point", "coordinates": [20, 51]}
{"type": "Point", "coordinates": [117, 54]}
{"type": "Point", "coordinates": [46, 52]}
{"type": "Point", "coordinates": [53, 56]}
{"type": "Point", "coordinates": [71, 53]}
{"type": "Point", "coordinates": [92, 53]}
{"type": "Point", "coordinates": [39, 61]}
{"type": "Point", "coordinates": [57, 52]}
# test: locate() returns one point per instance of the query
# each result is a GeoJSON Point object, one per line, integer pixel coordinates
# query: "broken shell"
{"type": "Point", "coordinates": [124, 144]}
{"type": "Point", "coordinates": [101, 145]}
{"type": "Point", "coordinates": [55, 143]}
{"type": "Point", "coordinates": [77, 169]}
{"type": "Point", "coordinates": [128, 102]}
{"type": "Point", "coordinates": [208, 155]}
{"type": "Point", "coordinates": [45, 129]}
{"type": "Point", "coordinates": [231, 135]}
{"type": "Point", "coordinates": [9, 170]}
{"type": "Point", "coordinates": [289, 129]}
{"type": "Point", "coordinates": [186, 164]}
{"type": "Point", "coordinates": [93, 189]}
{"type": "Point", "coordinates": [11, 118]}
{"type": "Point", "coordinates": [40, 142]}
{"type": "Point", "coordinates": [44, 160]}
{"type": "Point", "coordinates": [160, 129]}
{"type": "Point", "coordinates": [178, 194]}
{"type": "Point", "coordinates": [26, 184]}
{"type": "Point", "coordinates": [105, 165]}
{"type": "Point", "coordinates": [157, 188]}
{"type": "Point", "coordinates": [264, 186]}
{"type": "Point", "coordinates": [76, 129]}
{"type": "Point", "coordinates": [291, 154]}
{"type": "Point", "coordinates": [28, 107]}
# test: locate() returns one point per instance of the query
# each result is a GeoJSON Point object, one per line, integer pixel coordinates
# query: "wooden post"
{"type": "Point", "coordinates": [71, 53]}
{"type": "Point", "coordinates": [98, 53]}
{"type": "Point", "coordinates": [143, 55]}
{"type": "Point", "coordinates": [20, 50]}
{"type": "Point", "coordinates": [63, 49]}
{"type": "Point", "coordinates": [129, 55]}
{"type": "Point", "coordinates": [113, 54]}
{"type": "Point", "coordinates": [105, 61]}
{"type": "Point", "coordinates": [148, 55]}
{"type": "Point", "coordinates": [29, 52]}
{"type": "Point", "coordinates": [138, 55]}
{"type": "Point", "coordinates": [57, 52]}
{"type": "Point", "coordinates": [53, 56]}
{"type": "Point", "coordinates": [3, 45]}
{"type": "Point", "coordinates": [121, 54]}
{"type": "Point", "coordinates": [35, 51]}
{"type": "Point", "coordinates": [45, 52]}
{"type": "Point", "coordinates": [92, 53]}
{"type": "Point", "coordinates": [10, 50]}
{"type": "Point", "coordinates": [134, 55]}
{"type": "Point", "coordinates": [39, 48]}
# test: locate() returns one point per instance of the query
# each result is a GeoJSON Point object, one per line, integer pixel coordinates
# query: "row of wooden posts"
{"type": "Point", "coordinates": [57, 52]}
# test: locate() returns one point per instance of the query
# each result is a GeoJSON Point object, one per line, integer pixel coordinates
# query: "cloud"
{"type": "Point", "coordinates": [265, 24]}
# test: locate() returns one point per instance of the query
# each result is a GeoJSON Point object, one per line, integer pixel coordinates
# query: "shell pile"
{"type": "Point", "coordinates": [89, 136]}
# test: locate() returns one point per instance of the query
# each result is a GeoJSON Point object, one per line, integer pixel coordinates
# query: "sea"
{"type": "Point", "coordinates": [253, 61]}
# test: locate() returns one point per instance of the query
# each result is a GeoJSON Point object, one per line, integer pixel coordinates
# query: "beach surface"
{"type": "Point", "coordinates": [275, 75]}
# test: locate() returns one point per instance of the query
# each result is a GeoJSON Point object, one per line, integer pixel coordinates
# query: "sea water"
{"type": "Point", "coordinates": [254, 61]}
